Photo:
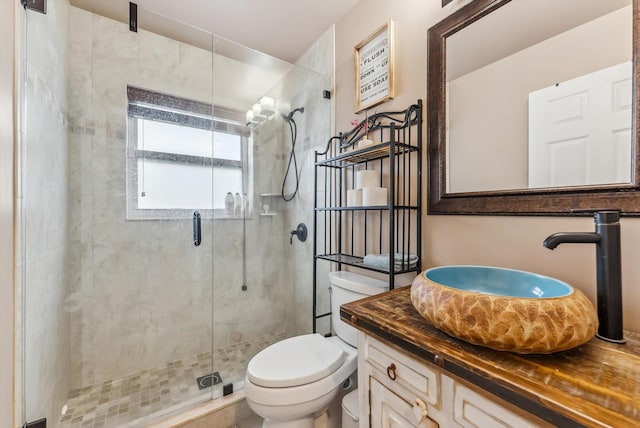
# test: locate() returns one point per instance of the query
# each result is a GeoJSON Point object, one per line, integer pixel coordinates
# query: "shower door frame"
{"type": "Point", "coordinates": [8, 135]}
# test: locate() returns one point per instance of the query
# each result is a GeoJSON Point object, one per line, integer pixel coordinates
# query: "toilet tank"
{"type": "Point", "coordinates": [347, 287]}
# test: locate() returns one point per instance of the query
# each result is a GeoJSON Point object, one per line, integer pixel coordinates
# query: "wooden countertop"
{"type": "Point", "coordinates": [596, 384]}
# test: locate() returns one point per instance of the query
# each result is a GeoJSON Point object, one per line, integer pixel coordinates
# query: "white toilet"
{"type": "Point", "coordinates": [291, 383]}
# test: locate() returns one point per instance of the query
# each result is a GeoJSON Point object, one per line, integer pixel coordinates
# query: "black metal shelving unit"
{"type": "Point", "coordinates": [345, 234]}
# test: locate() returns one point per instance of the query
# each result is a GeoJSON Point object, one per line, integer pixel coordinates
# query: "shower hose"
{"type": "Point", "coordinates": [292, 155]}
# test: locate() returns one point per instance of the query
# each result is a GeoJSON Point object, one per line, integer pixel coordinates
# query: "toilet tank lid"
{"type": "Point", "coordinates": [295, 361]}
{"type": "Point", "coordinates": [357, 283]}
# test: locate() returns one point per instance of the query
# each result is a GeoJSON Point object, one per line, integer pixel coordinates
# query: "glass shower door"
{"type": "Point", "coordinates": [116, 157]}
{"type": "Point", "coordinates": [155, 245]}
{"type": "Point", "coordinates": [262, 280]}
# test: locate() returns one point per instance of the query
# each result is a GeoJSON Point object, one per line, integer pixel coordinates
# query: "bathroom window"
{"type": "Point", "coordinates": [182, 155]}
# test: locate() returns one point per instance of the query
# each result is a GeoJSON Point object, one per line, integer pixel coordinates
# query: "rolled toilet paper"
{"type": "Point", "coordinates": [354, 198]}
{"type": "Point", "coordinates": [372, 196]}
{"type": "Point", "coordinates": [365, 142]}
{"type": "Point", "coordinates": [367, 178]}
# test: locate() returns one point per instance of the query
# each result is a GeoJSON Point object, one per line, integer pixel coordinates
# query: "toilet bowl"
{"type": "Point", "coordinates": [290, 384]}
{"type": "Point", "coordinates": [298, 398]}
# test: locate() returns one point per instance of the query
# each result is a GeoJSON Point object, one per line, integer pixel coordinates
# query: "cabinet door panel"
{"type": "Point", "coordinates": [389, 410]}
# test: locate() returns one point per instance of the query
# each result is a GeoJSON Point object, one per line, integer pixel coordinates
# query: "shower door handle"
{"type": "Point", "coordinates": [197, 235]}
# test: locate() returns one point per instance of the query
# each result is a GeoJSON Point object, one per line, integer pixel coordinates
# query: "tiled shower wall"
{"type": "Point", "coordinates": [44, 197]}
{"type": "Point", "coordinates": [316, 129]}
{"type": "Point", "coordinates": [143, 293]}
{"type": "Point", "coordinates": [143, 296]}
{"type": "Point", "coordinates": [266, 304]}
{"type": "Point", "coordinates": [271, 258]}
{"type": "Point", "coordinates": [302, 86]}
{"type": "Point", "coordinates": [292, 304]}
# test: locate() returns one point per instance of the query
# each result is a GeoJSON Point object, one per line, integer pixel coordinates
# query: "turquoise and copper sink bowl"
{"type": "Point", "coordinates": [505, 309]}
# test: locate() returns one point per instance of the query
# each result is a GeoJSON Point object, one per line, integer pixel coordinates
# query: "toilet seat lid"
{"type": "Point", "coordinates": [295, 361]}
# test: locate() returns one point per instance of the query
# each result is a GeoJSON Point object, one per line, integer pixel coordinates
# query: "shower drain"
{"type": "Point", "coordinates": [209, 380]}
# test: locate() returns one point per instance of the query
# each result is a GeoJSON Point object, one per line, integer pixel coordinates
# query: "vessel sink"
{"type": "Point", "coordinates": [505, 309]}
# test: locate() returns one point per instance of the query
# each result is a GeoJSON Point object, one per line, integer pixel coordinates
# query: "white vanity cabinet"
{"type": "Point", "coordinates": [396, 390]}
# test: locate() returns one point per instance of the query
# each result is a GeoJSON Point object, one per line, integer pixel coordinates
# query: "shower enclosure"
{"type": "Point", "coordinates": [141, 294]}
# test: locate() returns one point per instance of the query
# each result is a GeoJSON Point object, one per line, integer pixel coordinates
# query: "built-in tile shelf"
{"type": "Point", "coordinates": [269, 213]}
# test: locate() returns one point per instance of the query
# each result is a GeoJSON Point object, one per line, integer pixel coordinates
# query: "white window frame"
{"type": "Point", "coordinates": [151, 105]}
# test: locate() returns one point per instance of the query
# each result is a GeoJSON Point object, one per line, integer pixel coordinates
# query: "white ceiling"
{"type": "Point", "coordinates": [280, 28]}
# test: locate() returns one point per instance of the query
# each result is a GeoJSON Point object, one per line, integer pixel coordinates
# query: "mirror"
{"type": "Point", "coordinates": [517, 124]}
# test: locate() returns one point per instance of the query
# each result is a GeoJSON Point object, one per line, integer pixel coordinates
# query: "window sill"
{"type": "Point", "coordinates": [180, 214]}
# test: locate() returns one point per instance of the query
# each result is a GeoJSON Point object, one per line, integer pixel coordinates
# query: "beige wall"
{"type": "Point", "coordinates": [6, 214]}
{"type": "Point", "coordinates": [514, 242]}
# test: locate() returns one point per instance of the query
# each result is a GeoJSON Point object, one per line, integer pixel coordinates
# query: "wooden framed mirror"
{"type": "Point", "coordinates": [488, 158]}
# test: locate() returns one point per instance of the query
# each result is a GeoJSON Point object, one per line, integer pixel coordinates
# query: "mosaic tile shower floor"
{"type": "Point", "coordinates": [122, 402]}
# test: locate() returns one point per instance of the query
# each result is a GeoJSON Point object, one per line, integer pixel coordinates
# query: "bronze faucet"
{"type": "Point", "coordinates": [609, 271]}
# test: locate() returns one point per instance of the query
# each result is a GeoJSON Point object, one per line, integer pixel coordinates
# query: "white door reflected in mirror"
{"type": "Point", "coordinates": [580, 130]}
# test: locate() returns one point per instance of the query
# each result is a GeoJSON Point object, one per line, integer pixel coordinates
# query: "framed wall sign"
{"type": "Point", "coordinates": [374, 68]}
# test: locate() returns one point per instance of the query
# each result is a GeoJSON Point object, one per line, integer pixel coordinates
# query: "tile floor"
{"type": "Point", "coordinates": [135, 398]}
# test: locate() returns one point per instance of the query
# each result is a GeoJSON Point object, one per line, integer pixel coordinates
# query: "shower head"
{"type": "Point", "coordinates": [289, 117]}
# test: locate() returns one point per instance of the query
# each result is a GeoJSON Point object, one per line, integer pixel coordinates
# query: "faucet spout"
{"type": "Point", "coordinates": [556, 239]}
{"type": "Point", "coordinates": [609, 270]}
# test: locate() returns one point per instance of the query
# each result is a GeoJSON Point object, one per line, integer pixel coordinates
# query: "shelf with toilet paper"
{"type": "Point", "coordinates": [368, 194]}
{"type": "Point", "coordinates": [367, 206]}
